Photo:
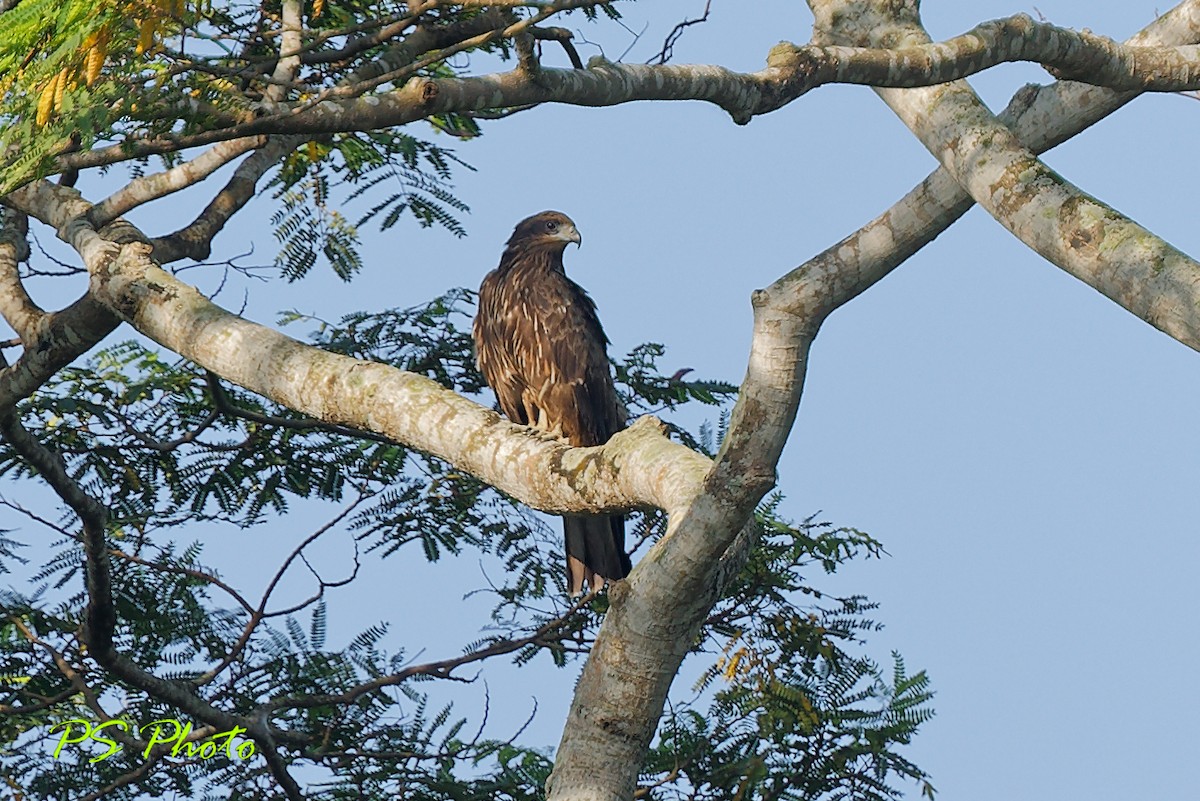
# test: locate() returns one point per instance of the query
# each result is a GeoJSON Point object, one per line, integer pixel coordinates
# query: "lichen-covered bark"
{"type": "Point", "coordinates": [637, 468]}
{"type": "Point", "coordinates": [1073, 230]}
{"type": "Point", "coordinates": [791, 71]}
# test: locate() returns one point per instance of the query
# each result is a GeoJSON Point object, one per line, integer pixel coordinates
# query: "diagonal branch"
{"type": "Point", "coordinates": [55, 341]}
{"type": "Point", "coordinates": [1085, 237]}
{"type": "Point", "coordinates": [624, 683]}
{"type": "Point", "coordinates": [151, 187]}
{"type": "Point", "coordinates": [194, 241]}
{"type": "Point", "coordinates": [637, 468]}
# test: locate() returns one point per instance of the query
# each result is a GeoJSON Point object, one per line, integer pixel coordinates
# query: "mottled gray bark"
{"type": "Point", "coordinates": [1087, 238]}
{"type": "Point", "coordinates": [791, 71]}
{"type": "Point", "coordinates": [623, 687]}
{"type": "Point", "coordinates": [639, 467]}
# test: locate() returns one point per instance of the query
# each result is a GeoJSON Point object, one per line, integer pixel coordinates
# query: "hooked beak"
{"type": "Point", "coordinates": [568, 233]}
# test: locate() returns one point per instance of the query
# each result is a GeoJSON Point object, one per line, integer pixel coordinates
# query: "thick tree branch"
{"type": "Point", "coordinates": [289, 50]}
{"type": "Point", "coordinates": [17, 308]}
{"type": "Point", "coordinates": [1088, 239]}
{"type": "Point", "coordinates": [637, 468]}
{"type": "Point", "coordinates": [1042, 117]}
{"type": "Point", "coordinates": [624, 684]}
{"type": "Point", "coordinates": [56, 340]}
{"type": "Point", "coordinates": [791, 71]}
{"type": "Point", "coordinates": [194, 241]}
{"type": "Point", "coordinates": [223, 405]}
{"type": "Point", "coordinates": [151, 187]}
{"type": "Point", "coordinates": [101, 618]}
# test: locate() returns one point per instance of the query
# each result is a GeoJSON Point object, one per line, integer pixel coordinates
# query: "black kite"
{"type": "Point", "coordinates": [540, 346]}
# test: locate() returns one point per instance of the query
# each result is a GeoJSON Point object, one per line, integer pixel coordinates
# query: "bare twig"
{"type": "Point", "coordinates": [259, 613]}
{"type": "Point", "coordinates": [564, 37]}
{"type": "Point", "coordinates": [668, 49]}
{"type": "Point", "coordinates": [167, 446]}
{"type": "Point", "coordinates": [443, 669]}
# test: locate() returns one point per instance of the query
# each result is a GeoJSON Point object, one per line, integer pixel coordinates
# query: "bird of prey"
{"type": "Point", "coordinates": [539, 345]}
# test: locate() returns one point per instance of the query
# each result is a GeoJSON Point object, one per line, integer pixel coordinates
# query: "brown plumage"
{"type": "Point", "coordinates": [540, 346]}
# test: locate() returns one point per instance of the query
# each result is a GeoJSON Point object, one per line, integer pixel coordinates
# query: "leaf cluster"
{"type": "Point", "coordinates": [791, 711]}
{"type": "Point", "coordinates": [395, 172]}
{"type": "Point", "coordinates": [74, 72]}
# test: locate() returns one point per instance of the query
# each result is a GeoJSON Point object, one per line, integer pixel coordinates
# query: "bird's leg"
{"type": "Point", "coordinates": [582, 578]}
{"type": "Point", "coordinates": [579, 575]}
{"type": "Point", "coordinates": [538, 421]}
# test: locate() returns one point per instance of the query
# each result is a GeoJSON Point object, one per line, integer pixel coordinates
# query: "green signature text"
{"type": "Point", "coordinates": [167, 731]}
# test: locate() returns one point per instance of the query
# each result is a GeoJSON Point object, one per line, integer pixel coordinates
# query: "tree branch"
{"type": "Point", "coordinates": [1086, 238]}
{"type": "Point", "coordinates": [637, 468]}
{"type": "Point", "coordinates": [194, 241]}
{"type": "Point", "coordinates": [17, 308]}
{"type": "Point", "coordinates": [57, 340]}
{"type": "Point", "coordinates": [442, 669]}
{"type": "Point", "coordinates": [791, 72]}
{"type": "Point", "coordinates": [151, 187]}
{"type": "Point", "coordinates": [290, 45]}
{"type": "Point", "coordinates": [100, 619]}
{"type": "Point", "coordinates": [222, 404]}
{"type": "Point", "coordinates": [621, 693]}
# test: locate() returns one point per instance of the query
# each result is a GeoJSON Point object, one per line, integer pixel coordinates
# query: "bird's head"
{"type": "Point", "coordinates": [549, 229]}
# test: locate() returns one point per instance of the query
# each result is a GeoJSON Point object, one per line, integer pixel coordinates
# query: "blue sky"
{"type": "Point", "coordinates": [1025, 449]}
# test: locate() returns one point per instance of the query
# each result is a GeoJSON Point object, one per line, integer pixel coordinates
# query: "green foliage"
{"type": "Point", "coordinates": [791, 711]}
{"type": "Point", "coordinates": [787, 706]}
{"type": "Point", "coordinates": [398, 173]}
{"type": "Point", "coordinates": [792, 714]}
{"type": "Point", "coordinates": [76, 72]}
{"type": "Point", "coordinates": [44, 97]}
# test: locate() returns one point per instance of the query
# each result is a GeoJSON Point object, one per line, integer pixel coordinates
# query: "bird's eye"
{"type": "Point", "coordinates": [551, 225]}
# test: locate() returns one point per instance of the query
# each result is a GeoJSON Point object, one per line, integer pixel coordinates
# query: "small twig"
{"type": "Point", "coordinates": [668, 48]}
{"type": "Point", "coordinates": [259, 614]}
{"type": "Point", "coordinates": [199, 575]}
{"type": "Point", "coordinates": [170, 445]}
{"type": "Point", "coordinates": [128, 778]}
{"type": "Point", "coordinates": [499, 115]}
{"type": "Point", "coordinates": [442, 669]}
{"type": "Point", "coordinates": [564, 37]}
{"type": "Point", "coordinates": [68, 269]}
{"type": "Point", "coordinates": [637, 37]}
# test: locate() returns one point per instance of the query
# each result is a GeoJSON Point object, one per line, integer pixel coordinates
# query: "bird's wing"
{"type": "Point", "coordinates": [496, 324]}
{"type": "Point", "coordinates": [569, 368]}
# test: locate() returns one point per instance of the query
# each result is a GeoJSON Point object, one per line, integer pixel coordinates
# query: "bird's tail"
{"type": "Point", "coordinates": [595, 551]}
